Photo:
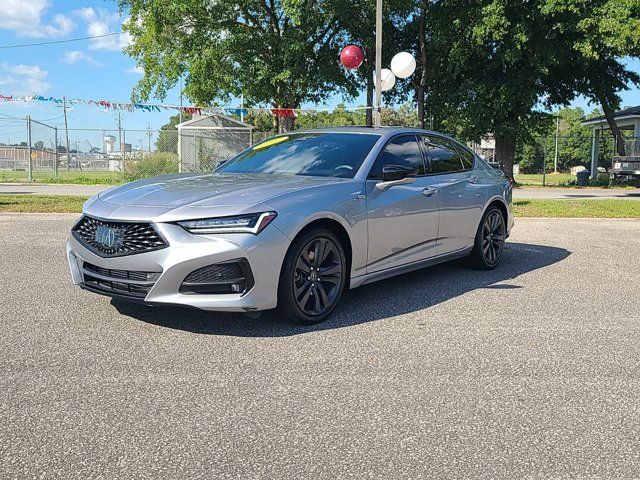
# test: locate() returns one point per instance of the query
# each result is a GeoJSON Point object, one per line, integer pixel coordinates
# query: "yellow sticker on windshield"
{"type": "Point", "coordinates": [268, 143]}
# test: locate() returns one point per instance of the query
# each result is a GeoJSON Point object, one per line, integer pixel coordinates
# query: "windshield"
{"type": "Point", "coordinates": [315, 154]}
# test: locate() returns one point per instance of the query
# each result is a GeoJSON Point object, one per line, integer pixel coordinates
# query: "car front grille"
{"type": "Point", "coordinates": [123, 238]}
{"type": "Point", "coordinates": [234, 276]}
{"type": "Point", "coordinates": [126, 283]}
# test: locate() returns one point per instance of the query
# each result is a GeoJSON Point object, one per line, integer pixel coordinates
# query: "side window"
{"type": "Point", "coordinates": [466, 156]}
{"type": "Point", "coordinates": [403, 151]}
{"type": "Point", "coordinates": [443, 156]}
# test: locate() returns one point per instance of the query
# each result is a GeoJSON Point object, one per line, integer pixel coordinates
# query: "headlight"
{"type": "Point", "coordinates": [253, 223]}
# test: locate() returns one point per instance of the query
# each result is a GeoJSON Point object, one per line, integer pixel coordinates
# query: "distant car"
{"type": "Point", "coordinates": [626, 169]}
{"type": "Point", "coordinates": [293, 222]}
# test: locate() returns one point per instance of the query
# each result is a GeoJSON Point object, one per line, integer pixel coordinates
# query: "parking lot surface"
{"type": "Point", "coordinates": [531, 370]}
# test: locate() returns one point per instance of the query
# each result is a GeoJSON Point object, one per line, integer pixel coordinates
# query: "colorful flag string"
{"type": "Point", "coordinates": [148, 107]}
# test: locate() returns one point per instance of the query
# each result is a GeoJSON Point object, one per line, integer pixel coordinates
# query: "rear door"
{"type": "Point", "coordinates": [460, 192]}
{"type": "Point", "coordinates": [402, 219]}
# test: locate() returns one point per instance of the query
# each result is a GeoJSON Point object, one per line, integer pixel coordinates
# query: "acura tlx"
{"type": "Point", "coordinates": [293, 222]}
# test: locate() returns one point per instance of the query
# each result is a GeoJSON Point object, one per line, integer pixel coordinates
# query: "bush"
{"type": "Point", "coordinates": [162, 163]}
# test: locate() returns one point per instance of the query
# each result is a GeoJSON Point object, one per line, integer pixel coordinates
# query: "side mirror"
{"type": "Point", "coordinates": [396, 175]}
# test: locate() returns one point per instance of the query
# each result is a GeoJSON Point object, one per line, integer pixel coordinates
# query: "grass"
{"type": "Point", "coordinates": [65, 177]}
{"type": "Point", "coordinates": [606, 208]}
{"type": "Point", "coordinates": [41, 203]}
{"type": "Point", "coordinates": [536, 180]}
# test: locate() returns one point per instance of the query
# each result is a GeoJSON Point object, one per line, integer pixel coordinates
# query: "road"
{"type": "Point", "coordinates": [531, 370]}
{"type": "Point", "coordinates": [518, 193]}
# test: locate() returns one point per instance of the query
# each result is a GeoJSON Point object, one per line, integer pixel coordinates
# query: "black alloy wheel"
{"type": "Point", "coordinates": [313, 277]}
{"type": "Point", "coordinates": [493, 237]}
{"type": "Point", "coordinates": [490, 239]}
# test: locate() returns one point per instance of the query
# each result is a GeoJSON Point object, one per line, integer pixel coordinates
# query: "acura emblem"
{"type": "Point", "coordinates": [109, 237]}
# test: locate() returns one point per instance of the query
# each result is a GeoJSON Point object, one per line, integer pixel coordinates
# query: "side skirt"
{"type": "Point", "coordinates": [392, 272]}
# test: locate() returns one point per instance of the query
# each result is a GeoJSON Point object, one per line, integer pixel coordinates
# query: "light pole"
{"type": "Point", "coordinates": [378, 86]}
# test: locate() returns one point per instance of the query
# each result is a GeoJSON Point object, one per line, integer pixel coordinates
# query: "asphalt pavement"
{"type": "Point", "coordinates": [528, 371]}
{"type": "Point", "coordinates": [518, 193]}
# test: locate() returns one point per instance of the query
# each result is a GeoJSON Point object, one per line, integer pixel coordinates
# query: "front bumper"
{"type": "Point", "coordinates": [187, 252]}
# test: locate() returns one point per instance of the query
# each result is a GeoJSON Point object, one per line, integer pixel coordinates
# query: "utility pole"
{"type": "Point", "coordinates": [149, 139]}
{"type": "Point", "coordinates": [66, 131]}
{"type": "Point", "coordinates": [30, 151]}
{"type": "Point", "coordinates": [55, 153]}
{"type": "Point", "coordinates": [378, 86]}
{"type": "Point", "coordinates": [242, 107]}
{"type": "Point", "coordinates": [120, 140]}
{"type": "Point", "coordinates": [555, 161]}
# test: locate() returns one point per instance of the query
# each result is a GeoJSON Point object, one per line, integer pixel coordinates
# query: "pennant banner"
{"type": "Point", "coordinates": [147, 107]}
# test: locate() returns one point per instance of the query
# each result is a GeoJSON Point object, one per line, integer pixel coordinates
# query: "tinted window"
{"type": "Point", "coordinates": [314, 154]}
{"type": "Point", "coordinates": [403, 151]}
{"type": "Point", "coordinates": [466, 156]}
{"type": "Point", "coordinates": [443, 156]}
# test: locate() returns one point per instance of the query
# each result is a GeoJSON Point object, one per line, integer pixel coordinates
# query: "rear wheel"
{"type": "Point", "coordinates": [490, 238]}
{"type": "Point", "coordinates": [313, 277]}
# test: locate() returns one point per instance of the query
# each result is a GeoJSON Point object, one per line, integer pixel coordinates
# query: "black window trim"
{"type": "Point", "coordinates": [456, 145]}
{"type": "Point", "coordinates": [420, 148]}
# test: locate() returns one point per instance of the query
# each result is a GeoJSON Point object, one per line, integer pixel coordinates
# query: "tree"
{"type": "Point", "coordinates": [39, 145]}
{"type": "Point", "coordinates": [168, 137]}
{"type": "Point", "coordinates": [595, 36]}
{"type": "Point", "coordinates": [495, 63]}
{"type": "Point", "coordinates": [280, 53]}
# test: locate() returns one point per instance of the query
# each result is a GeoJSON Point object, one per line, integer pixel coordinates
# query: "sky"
{"type": "Point", "coordinates": [90, 69]}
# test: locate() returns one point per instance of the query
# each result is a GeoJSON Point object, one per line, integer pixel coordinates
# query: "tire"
{"type": "Point", "coordinates": [311, 299]}
{"type": "Point", "coordinates": [491, 235]}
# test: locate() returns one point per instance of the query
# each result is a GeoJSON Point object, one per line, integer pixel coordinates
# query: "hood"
{"type": "Point", "coordinates": [209, 190]}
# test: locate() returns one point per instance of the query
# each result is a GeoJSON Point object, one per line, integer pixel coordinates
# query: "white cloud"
{"type": "Point", "coordinates": [76, 56]}
{"type": "Point", "coordinates": [23, 79]}
{"type": "Point", "coordinates": [135, 71]}
{"type": "Point", "coordinates": [103, 22]}
{"type": "Point", "coordinates": [25, 18]}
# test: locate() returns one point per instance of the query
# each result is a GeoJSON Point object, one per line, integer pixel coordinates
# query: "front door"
{"type": "Point", "coordinates": [403, 219]}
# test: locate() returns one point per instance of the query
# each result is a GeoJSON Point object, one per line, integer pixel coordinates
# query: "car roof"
{"type": "Point", "coordinates": [384, 132]}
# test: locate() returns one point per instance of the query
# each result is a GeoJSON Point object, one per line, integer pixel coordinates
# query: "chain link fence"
{"type": "Point", "coordinates": [34, 151]}
{"type": "Point", "coordinates": [555, 161]}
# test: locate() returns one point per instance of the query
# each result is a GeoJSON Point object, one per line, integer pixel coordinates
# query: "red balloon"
{"type": "Point", "coordinates": [351, 57]}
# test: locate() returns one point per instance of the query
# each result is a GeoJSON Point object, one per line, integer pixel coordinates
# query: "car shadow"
{"type": "Point", "coordinates": [403, 294]}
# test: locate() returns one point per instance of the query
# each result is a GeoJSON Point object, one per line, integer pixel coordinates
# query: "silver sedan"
{"type": "Point", "coordinates": [293, 222]}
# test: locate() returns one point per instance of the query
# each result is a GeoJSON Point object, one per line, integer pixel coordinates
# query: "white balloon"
{"type": "Point", "coordinates": [387, 79]}
{"type": "Point", "coordinates": [403, 65]}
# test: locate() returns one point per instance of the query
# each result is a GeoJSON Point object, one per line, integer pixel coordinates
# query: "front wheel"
{"type": "Point", "coordinates": [490, 239]}
{"type": "Point", "coordinates": [313, 277]}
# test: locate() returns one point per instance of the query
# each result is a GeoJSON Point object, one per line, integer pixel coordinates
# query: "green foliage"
{"type": "Point", "coordinates": [168, 137]}
{"type": "Point", "coordinates": [281, 53]}
{"type": "Point", "coordinates": [151, 166]}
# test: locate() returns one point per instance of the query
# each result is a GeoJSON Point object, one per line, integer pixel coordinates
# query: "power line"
{"type": "Point", "coordinates": [37, 44]}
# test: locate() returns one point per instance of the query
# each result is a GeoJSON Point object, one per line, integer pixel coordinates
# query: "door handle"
{"type": "Point", "coordinates": [472, 179]}
{"type": "Point", "coordinates": [429, 191]}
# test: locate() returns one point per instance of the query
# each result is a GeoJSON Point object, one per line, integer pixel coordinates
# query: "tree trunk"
{"type": "Point", "coordinates": [286, 124]}
{"type": "Point", "coordinates": [422, 85]}
{"type": "Point", "coordinates": [505, 153]}
{"type": "Point", "coordinates": [609, 114]}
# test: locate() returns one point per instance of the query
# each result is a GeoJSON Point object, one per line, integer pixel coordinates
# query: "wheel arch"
{"type": "Point", "coordinates": [338, 230]}
{"type": "Point", "coordinates": [501, 204]}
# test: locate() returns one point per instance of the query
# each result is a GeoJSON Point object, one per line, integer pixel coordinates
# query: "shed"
{"type": "Point", "coordinates": [627, 119]}
{"type": "Point", "coordinates": [205, 141]}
